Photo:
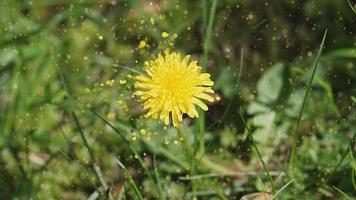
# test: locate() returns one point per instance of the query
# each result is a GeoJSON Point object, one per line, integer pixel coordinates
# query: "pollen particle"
{"type": "Point", "coordinates": [165, 34]}
{"type": "Point", "coordinates": [143, 131]}
{"type": "Point", "coordinates": [109, 82]}
{"type": "Point", "coordinates": [111, 115]}
{"type": "Point", "coordinates": [123, 81]}
{"type": "Point", "coordinates": [172, 86]}
{"type": "Point", "coordinates": [142, 44]}
{"type": "Point", "coordinates": [120, 103]}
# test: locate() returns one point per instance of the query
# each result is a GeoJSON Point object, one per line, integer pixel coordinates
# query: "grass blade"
{"type": "Point", "coordinates": [206, 48]}
{"type": "Point", "coordinates": [122, 192]}
{"type": "Point", "coordinates": [296, 133]}
{"type": "Point", "coordinates": [209, 31]}
{"type": "Point", "coordinates": [258, 152]}
{"type": "Point", "coordinates": [283, 188]}
{"type": "Point", "coordinates": [249, 32]}
{"type": "Point", "coordinates": [343, 194]}
{"type": "Point", "coordinates": [233, 97]}
{"type": "Point", "coordinates": [351, 144]}
{"type": "Point", "coordinates": [159, 185]}
{"type": "Point", "coordinates": [128, 143]}
{"type": "Point", "coordinates": [205, 12]}
{"type": "Point", "coordinates": [158, 149]}
{"type": "Point", "coordinates": [219, 175]}
{"type": "Point", "coordinates": [96, 167]}
{"type": "Point", "coordinates": [351, 6]}
{"type": "Point", "coordinates": [129, 178]}
{"type": "Point", "coordinates": [128, 68]}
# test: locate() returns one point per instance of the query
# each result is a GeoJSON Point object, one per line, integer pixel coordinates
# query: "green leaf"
{"type": "Point", "coordinates": [227, 81]}
{"type": "Point", "coordinates": [353, 99]}
{"type": "Point", "coordinates": [273, 87]}
{"type": "Point", "coordinates": [7, 56]}
{"type": "Point", "coordinates": [343, 53]}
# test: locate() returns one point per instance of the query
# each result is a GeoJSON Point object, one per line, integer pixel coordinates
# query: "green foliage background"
{"type": "Point", "coordinates": [67, 65]}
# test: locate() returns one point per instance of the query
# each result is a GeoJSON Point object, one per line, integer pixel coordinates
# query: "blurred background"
{"type": "Point", "coordinates": [70, 127]}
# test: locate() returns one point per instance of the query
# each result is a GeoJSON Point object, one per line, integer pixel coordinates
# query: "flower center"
{"type": "Point", "coordinates": [176, 86]}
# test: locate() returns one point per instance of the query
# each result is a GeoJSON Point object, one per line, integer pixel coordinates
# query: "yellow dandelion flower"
{"type": "Point", "coordinates": [172, 86]}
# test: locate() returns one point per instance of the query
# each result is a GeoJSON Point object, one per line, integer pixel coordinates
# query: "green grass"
{"type": "Point", "coordinates": [130, 180]}
{"type": "Point", "coordinates": [206, 49]}
{"type": "Point", "coordinates": [351, 6]}
{"type": "Point", "coordinates": [296, 132]}
{"type": "Point", "coordinates": [71, 128]}
{"type": "Point", "coordinates": [343, 194]}
{"type": "Point", "coordinates": [250, 137]}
